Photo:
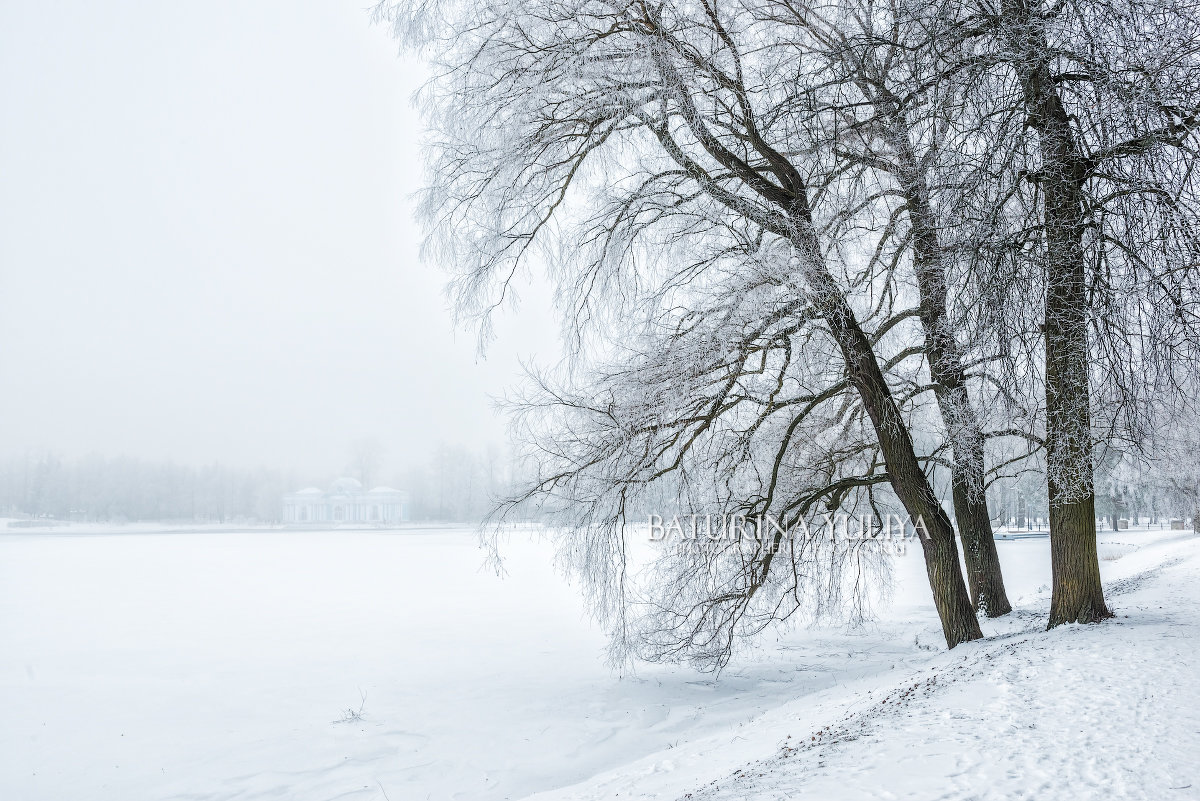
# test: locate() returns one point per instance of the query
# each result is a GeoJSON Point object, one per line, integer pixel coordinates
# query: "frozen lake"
{"type": "Point", "coordinates": [216, 666]}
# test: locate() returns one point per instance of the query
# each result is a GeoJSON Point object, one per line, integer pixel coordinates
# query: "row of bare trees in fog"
{"type": "Point", "coordinates": [454, 484]}
{"type": "Point", "coordinates": [842, 255]}
{"type": "Point", "coordinates": [457, 485]}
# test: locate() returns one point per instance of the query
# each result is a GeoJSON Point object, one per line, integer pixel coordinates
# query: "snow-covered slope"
{"type": "Point", "coordinates": [1110, 711]}
{"type": "Point", "coordinates": [143, 667]}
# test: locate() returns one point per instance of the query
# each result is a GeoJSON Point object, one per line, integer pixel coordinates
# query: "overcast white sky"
{"type": "Point", "coordinates": [206, 243]}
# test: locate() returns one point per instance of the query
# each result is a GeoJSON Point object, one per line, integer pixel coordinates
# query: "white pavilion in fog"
{"type": "Point", "coordinates": [346, 502]}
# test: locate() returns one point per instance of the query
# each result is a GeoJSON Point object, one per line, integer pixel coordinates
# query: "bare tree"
{"type": "Point", "coordinates": [905, 123]}
{"type": "Point", "coordinates": [666, 151]}
{"type": "Point", "coordinates": [1104, 209]}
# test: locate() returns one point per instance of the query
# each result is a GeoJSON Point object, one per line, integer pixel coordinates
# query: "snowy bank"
{"type": "Point", "coordinates": [1110, 711]}
{"type": "Point", "coordinates": [226, 665]}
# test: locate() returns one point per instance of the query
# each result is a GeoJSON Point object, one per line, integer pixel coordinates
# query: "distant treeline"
{"type": "Point", "coordinates": [105, 489]}
{"type": "Point", "coordinates": [454, 485]}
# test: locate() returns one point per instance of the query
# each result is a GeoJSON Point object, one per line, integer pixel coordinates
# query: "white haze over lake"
{"type": "Point", "coordinates": [207, 250]}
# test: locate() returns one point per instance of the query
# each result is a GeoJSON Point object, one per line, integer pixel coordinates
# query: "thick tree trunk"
{"type": "Point", "coordinates": [975, 528]}
{"type": "Point", "coordinates": [908, 479]}
{"type": "Point", "coordinates": [950, 381]}
{"type": "Point", "coordinates": [1077, 595]}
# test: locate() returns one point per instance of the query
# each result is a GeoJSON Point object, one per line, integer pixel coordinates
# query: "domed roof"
{"type": "Point", "coordinates": [346, 485]}
{"type": "Point", "coordinates": [383, 489]}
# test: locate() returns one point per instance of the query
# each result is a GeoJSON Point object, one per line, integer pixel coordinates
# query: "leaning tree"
{"type": "Point", "coordinates": [660, 156]}
{"type": "Point", "coordinates": [897, 77]}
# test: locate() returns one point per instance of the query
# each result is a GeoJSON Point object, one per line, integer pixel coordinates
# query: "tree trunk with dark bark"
{"type": "Point", "coordinates": [908, 479]}
{"type": "Point", "coordinates": [957, 613]}
{"type": "Point", "coordinates": [1077, 596]}
{"type": "Point", "coordinates": [975, 529]}
{"type": "Point", "coordinates": [949, 377]}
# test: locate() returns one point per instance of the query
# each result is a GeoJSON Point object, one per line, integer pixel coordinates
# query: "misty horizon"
{"type": "Point", "coordinates": [208, 247]}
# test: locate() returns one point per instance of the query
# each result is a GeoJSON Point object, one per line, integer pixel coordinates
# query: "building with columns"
{"type": "Point", "coordinates": [346, 502]}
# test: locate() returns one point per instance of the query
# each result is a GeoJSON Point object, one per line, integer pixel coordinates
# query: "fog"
{"type": "Point", "coordinates": [207, 250]}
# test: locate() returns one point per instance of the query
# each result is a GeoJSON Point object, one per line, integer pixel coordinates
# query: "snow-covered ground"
{"type": "Point", "coordinates": [1081, 712]}
{"type": "Point", "coordinates": [224, 665]}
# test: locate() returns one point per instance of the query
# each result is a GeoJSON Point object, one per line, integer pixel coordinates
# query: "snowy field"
{"type": "Point", "coordinates": [233, 665]}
